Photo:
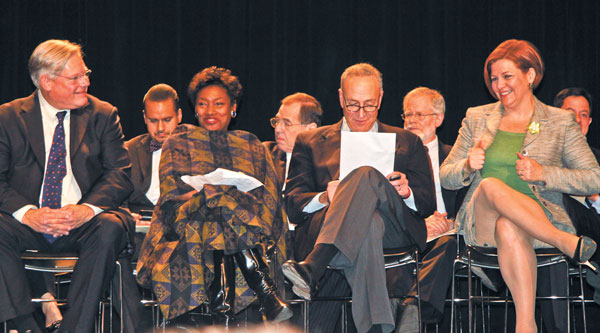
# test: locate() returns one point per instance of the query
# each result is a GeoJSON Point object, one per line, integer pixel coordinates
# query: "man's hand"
{"type": "Point", "coordinates": [331, 188]}
{"type": "Point", "coordinates": [138, 220]}
{"type": "Point", "coordinates": [400, 183]}
{"type": "Point", "coordinates": [438, 224]}
{"type": "Point", "coordinates": [528, 169]}
{"type": "Point", "coordinates": [78, 214]}
{"type": "Point", "coordinates": [48, 221]}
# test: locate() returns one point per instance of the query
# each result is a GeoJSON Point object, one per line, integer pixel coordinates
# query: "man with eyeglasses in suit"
{"type": "Point", "coordinates": [424, 110]}
{"type": "Point", "coordinates": [347, 223]}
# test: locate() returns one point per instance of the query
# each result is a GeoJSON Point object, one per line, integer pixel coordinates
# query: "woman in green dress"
{"type": "Point", "coordinates": [519, 155]}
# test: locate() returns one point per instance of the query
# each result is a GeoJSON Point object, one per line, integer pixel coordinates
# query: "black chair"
{"type": "Point", "coordinates": [65, 263]}
{"type": "Point", "coordinates": [487, 258]}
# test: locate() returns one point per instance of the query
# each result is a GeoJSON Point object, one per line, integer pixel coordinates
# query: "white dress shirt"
{"type": "Point", "coordinates": [154, 189]}
{"type": "Point", "coordinates": [71, 193]}
{"type": "Point", "coordinates": [433, 148]}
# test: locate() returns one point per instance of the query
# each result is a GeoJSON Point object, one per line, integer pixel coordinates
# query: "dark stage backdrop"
{"type": "Point", "coordinates": [281, 47]}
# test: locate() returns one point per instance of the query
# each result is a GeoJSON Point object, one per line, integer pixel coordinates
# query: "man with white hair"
{"type": "Point", "coordinates": [63, 174]}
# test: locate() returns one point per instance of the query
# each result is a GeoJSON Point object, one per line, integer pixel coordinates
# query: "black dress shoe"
{"type": "Point", "coordinates": [300, 275]}
{"type": "Point", "coordinates": [53, 327]}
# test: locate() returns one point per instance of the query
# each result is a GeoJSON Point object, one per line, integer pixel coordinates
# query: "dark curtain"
{"type": "Point", "coordinates": [281, 47]}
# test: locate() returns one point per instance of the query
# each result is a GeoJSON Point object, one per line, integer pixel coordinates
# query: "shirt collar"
{"type": "Point", "coordinates": [433, 144]}
{"type": "Point", "coordinates": [48, 111]}
{"type": "Point", "coordinates": [346, 128]}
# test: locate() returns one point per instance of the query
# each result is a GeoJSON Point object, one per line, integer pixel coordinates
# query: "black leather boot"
{"type": "Point", "coordinates": [221, 292]}
{"type": "Point", "coordinates": [256, 273]}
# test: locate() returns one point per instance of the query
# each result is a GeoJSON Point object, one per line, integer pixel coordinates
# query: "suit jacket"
{"type": "Point", "coordinates": [279, 160]}
{"type": "Point", "coordinates": [141, 172]}
{"type": "Point", "coordinates": [559, 146]}
{"type": "Point", "coordinates": [316, 161]}
{"type": "Point", "coordinates": [99, 161]}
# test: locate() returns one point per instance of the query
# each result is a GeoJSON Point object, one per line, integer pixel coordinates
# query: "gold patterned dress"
{"type": "Point", "coordinates": [176, 258]}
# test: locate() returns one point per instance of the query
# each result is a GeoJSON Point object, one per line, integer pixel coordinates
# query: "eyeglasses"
{"type": "Point", "coordinates": [76, 78]}
{"type": "Point", "coordinates": [357, 107]}
{"type": "Point", "coordinates": [274, 121]}
{"type": "Point", "coordinates": [419, 116]}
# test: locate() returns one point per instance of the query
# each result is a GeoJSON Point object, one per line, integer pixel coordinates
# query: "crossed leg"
{"type": "Point", "coordinates": [511, 221]}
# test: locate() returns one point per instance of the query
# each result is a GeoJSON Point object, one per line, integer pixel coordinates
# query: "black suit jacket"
{"type": "Point", "coordinates": [279, 160]}
{"type": "Point", "coordinates": [316, 161]}
{"type": "Point", "coordinates": [98, 159]}
{"type": "Point", "coordinates": [141, 172]}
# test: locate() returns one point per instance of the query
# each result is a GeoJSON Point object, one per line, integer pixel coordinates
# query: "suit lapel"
{"type": "Point", "coordinates": [32, 117]}
{"type": "Point", "coordinates": [79, 121]}
{"type": "Point", "coordinates": [329, 151]}
{"type": "Point", "coordinates": [492, 122]}
{"type": "Point", "coordinates": [145, 162]}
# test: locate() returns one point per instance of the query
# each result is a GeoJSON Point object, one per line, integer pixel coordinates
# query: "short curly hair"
{"type": "Point", "coordinates": [215, 76]}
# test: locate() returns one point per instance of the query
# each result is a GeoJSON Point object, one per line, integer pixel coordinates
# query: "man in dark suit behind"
{"type": "Point", "coordinates": [424, 110]}
{"type": "Point", "coordinates": [583, 212]}
{"type": "Point", "coordinates": [63, 174]}
{"type": "Point", "coordinates": [348, 222]}
{"type": "Point", "coordinates": [161, 115]}
{"type": "Point", "coordinates": [298, 113]}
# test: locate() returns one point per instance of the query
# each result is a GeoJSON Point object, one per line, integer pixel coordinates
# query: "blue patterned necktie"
{"type": "Point", "coordinates": [56, 169]}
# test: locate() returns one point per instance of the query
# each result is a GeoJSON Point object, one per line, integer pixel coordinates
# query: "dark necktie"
{"type": "Point", "coordinates": [154, 145]}
{"type": "Point", "coordinates": [56, 169]}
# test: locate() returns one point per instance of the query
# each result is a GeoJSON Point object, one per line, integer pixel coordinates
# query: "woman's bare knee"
{"type": "Point", "coordinates": [506, 232]}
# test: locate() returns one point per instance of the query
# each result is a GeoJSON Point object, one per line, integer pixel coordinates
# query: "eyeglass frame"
{"type": "Point", "coordinates": [376, 107]}
{"type": "Point", "coordinates": [419, 116]}
{"type": "Point", "coordinates": [275, 121]}
{"type": "Point", "coordinates": [76, 78]}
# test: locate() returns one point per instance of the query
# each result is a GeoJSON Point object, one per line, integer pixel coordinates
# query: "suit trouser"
{"type": "Point", "coordinates": [366, 216]}
{"type": "Point", "coordinates": [435, 278]}
{"type": "Point", "coordinates": [97, 242]}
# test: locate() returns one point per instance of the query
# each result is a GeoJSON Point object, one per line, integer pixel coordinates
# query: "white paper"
{"type": "Point", "coordinates": [447, 233]}
{"type": "Point", "coordinates": [221, 176]}
{"type": "Point", "coordinates": [367, 149]}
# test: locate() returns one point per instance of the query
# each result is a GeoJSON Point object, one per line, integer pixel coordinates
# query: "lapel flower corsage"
{"type": "Point", "coordinates": [534, 127]}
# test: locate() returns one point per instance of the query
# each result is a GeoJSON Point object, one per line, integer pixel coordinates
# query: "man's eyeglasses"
{"type": "Point", "coordinates": [357, 107]}
{"type": "Point", "coordinates": [76, 78]}
{"type": "Point", "coordinates": [286, 123]}
{"type": "Point", "coordinates": [419, 116]}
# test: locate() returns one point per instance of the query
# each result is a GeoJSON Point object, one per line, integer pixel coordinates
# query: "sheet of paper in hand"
{"type": "Point", "coordinates": [367, 149]}
{"type": "Point", "coordinates": [221, 176]}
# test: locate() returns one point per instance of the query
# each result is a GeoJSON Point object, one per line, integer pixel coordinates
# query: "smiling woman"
{"type": "Point", "coordinates": [515, 201]}
{"type": "Point", "coordinates": [215, 92]}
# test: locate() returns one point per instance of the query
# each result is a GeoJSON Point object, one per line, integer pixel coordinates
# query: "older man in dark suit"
{"type": "Point", "coordinates": [298, 113]}
{"type": "Point", "coordinates": [424, 110]}
{"type": "Point", "coordinates": [63, 174]}
{"type": "Point", "coordinates": [348, 222]}
{"type": "Point", "coordinates": [584, 212]}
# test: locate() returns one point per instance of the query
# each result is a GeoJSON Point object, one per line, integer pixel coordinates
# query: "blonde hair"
{"type": "Point", "coordinates": [50, 57]}
{"type": "Point", "coordinates": [436, 98]}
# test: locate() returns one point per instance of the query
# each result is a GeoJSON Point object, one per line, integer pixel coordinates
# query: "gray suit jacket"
{"type": "Point", "coordinates": [561, 149]}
